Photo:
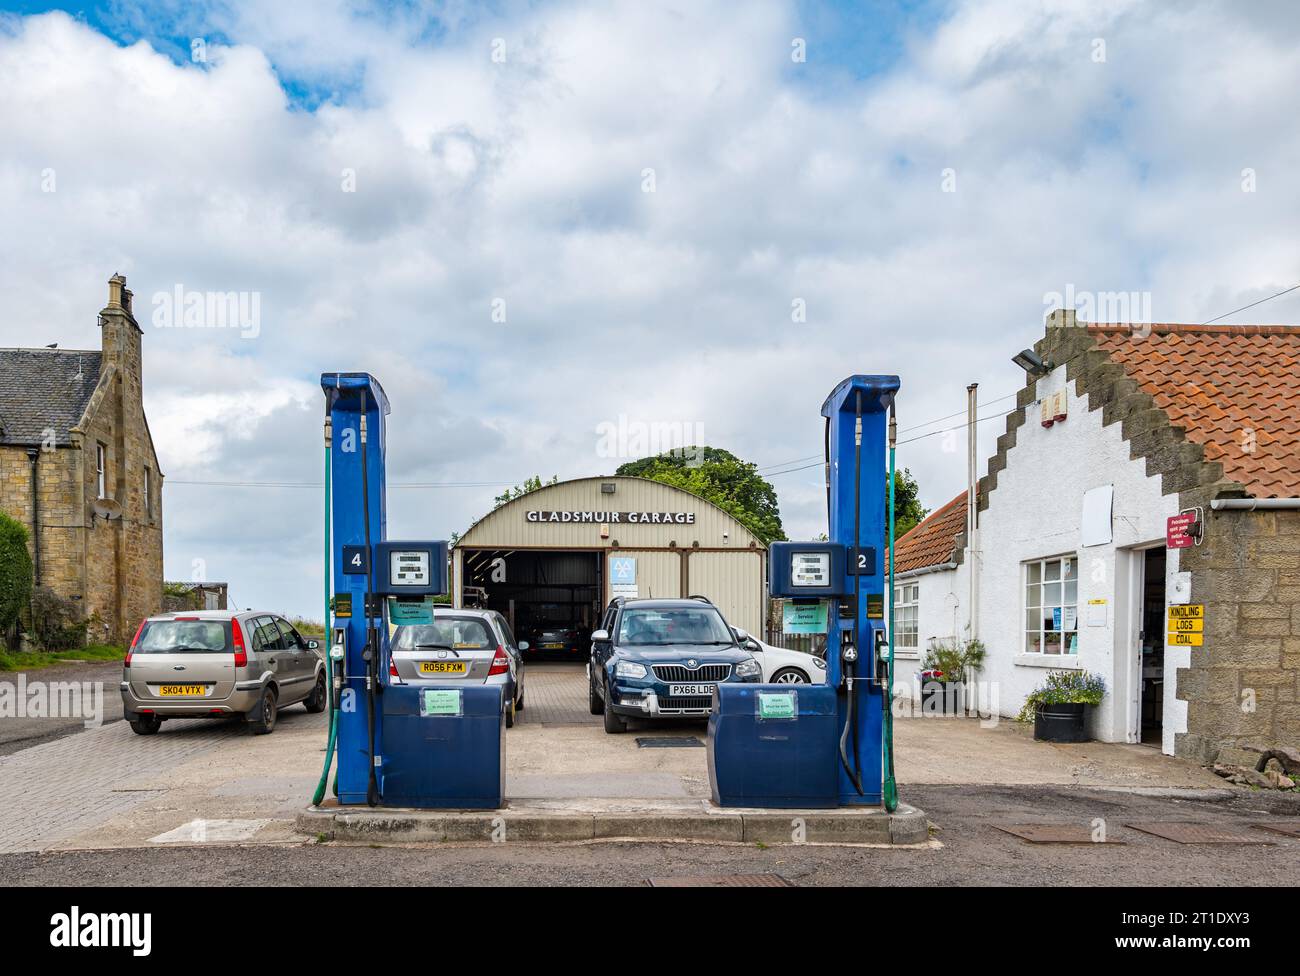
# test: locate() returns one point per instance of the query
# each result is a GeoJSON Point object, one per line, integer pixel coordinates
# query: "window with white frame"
{"type": "Point", "coordinates": [1052, 606]}
{"type": "Point", "coordinates": [907, 604]}
{"type": "Point", "coordinates": [101, 467]}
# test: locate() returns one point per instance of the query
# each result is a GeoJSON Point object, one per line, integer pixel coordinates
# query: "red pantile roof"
{"type": "Point", "coordinates": [1235, 389]}
{"type": "Point", "coordinates": [931, 541]}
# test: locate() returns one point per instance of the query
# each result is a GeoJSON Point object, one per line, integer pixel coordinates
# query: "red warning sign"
{"type": "Point", "coordinates": [1181, 530]}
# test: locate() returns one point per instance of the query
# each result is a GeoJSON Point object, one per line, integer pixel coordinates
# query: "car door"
{"type": "Point", "coordinates": [266, 645]}
{"type": "Point", "coordinates": [301, 661]}
{"type": "Point", "coordinates": [600, 650]}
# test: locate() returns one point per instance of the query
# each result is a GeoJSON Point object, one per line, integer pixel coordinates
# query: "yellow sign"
{"type": "Point", "coordinates": [1193, 625]}
{"type": "Point", "coordinates": [1187, 610]}
{"type": "Point", "coordinates": [1186, 640]}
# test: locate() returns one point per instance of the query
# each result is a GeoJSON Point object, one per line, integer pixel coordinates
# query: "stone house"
{"type": "Point", "coordinates": [78, 468]}
{"type": "Point", "coordinates": [1119, 429]}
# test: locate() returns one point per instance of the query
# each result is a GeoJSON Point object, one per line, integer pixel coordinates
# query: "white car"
{"type": "Point", "coordinates": [783, 666]}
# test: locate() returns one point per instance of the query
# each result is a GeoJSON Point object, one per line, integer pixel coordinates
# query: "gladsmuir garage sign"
{"type": "Point", "coordinates": [614, 518]}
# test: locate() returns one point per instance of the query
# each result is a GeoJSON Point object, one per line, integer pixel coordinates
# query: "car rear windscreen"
{"type": "Point", "coordinates": [456, 633]}
{"type": "Point", "coordinates": [679, 625]}
{"type": "Point", "coordinates": [182, 636]}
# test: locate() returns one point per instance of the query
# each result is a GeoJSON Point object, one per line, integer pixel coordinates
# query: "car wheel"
{"type": "Point", "coordinates": [614, 724]}
{"type": "Point", "coordinates": [595, 704]}
{"type": "Point", "coordinates": [519, 702]}
{"type": "Point", "coordinates": [510, 715]}
{"type": "Point", "coordinates": [262, 719]}
{"type": "Point", "coordinates": [146, 724]}
{"type": "Point", "coordinates": [790, 676]}
{"type": "Point", "coordinates": [315, 702]}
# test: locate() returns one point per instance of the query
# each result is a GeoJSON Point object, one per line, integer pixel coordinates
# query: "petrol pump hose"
{"type": "Point", "coordinates": [329, 661]}
{"type": "Point", "coordinates": [890, 790]}
{"type": "Point", "coordinates": [848, 664]}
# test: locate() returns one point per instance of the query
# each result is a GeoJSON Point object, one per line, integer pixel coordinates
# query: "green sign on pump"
{"type": "Point", "coordinates": [440, 703]}
{"type": "Point", "coordinates": [805, 618]}
{"type": "Point", "coordinates": [778, 706]}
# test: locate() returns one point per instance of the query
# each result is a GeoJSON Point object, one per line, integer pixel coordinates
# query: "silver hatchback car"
{"type": "Point", "coordinates": [210, 663]}
{"type": "Point", "coordinates": [474, 646]}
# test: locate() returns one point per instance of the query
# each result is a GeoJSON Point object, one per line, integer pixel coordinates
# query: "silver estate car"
{"type": "Point", "coordinates": [210, 663]}
{"type": "Point", "coordinates": [475, 646]}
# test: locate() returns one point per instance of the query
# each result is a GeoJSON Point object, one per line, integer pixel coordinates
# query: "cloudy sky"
{"type": "Point", "coordinates": [529, 219]}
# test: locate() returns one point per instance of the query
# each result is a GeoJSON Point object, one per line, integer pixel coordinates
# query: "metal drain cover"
{"type": "Point", "coordinates": [668, 742]}
{"type": "Point", "coordinates": [1194, 833]}
{"type": "Point", "coordinates": [1288, 828]}
{"type": "Point", "coordinates": [1054, 833]}
{"type": "Point", "coordinates": [723, 881]}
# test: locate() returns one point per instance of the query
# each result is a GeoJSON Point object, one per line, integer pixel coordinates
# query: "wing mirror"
{"type": "Point", "coordinates": [523, 645]}
{"type": "Point", "coordinates": [600, 635]}
{"type": "Point", "coordinates": [742, 635]}
{"type": "Point", "coordinates": [313, 645]}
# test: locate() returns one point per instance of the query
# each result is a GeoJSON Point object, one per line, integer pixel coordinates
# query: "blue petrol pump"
{"type": "Point", "coordinates": [419, 745]}
{"type": "Point", "coordinates": [771, 745]}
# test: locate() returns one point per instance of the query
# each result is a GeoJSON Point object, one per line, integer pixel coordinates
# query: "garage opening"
{"type": "Point", "coordinates": [552, 598]}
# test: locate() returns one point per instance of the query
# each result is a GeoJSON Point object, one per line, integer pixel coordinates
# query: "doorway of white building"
{"type": "Point", "coordinates": [1151, 639]}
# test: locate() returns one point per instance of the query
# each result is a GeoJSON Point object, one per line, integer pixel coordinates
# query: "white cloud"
{"type": "Point", "coordinates": [522, 181]}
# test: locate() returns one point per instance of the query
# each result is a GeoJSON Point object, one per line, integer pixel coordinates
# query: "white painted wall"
{"type": "Point", "coordinates": [943, 598]}
{"type": "Point", "coordinates": [1035, 512]}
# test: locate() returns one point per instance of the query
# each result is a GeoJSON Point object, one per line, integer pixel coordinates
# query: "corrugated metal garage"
{"type": "Point", "coordinates": [558, 555]}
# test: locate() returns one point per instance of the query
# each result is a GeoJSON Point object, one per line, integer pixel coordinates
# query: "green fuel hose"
{"type": "Point", "coordinates": [887, 740]}
{"type": "Point", "coordinates": [329, 661]}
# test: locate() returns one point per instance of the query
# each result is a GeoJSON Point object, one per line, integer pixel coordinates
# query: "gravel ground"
{"type": "Point", "coordinates": [974, 852]}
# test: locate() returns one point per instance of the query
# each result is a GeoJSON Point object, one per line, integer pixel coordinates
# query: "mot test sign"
{"type": "Point", "coordinates": [1186, 625]}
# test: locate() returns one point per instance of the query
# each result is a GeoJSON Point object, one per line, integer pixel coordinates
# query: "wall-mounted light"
{"type": "Point", "coordinates": [1029, 361]}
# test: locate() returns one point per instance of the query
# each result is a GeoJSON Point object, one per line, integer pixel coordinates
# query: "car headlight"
{"type": "Point", "coordinates": [819, 663]}
{"type": "Point", "coordinates": [747, 669]}
{"type": "Point", "coordinates": [629, 669]}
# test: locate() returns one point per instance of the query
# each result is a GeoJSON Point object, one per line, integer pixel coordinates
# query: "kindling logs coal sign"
{"type": "Point", "coordinates": [614, 518]}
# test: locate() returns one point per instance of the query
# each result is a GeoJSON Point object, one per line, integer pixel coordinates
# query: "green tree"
{"type": "Point", "coordinates": [518, 491]}
{"type": "Point", "coordinates": [908, 510]}
{"type": "Point", "coordinates": [15, 571]}
{"type": "Point", "coordinates": [720, 477]}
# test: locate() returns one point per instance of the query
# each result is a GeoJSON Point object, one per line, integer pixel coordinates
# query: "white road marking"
{"type": "Point", "coordinates": [210, 831]}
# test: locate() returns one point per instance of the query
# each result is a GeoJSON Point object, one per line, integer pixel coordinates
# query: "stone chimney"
{"type": "Point", "coordinates": [120, 338]}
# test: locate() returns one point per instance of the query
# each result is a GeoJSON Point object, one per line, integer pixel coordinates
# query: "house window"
{"type": "Point", "coordinates": [101, 466]}
{"type": "Point", "coordinates": [1052, 606]}
{"type": "Point", "coordinates": [907, 598]}
{"type": "Point", "coordinates": [148, 493]}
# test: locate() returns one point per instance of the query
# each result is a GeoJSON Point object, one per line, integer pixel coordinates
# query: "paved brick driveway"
{"type": "Point", "coordinates": [53, 790]}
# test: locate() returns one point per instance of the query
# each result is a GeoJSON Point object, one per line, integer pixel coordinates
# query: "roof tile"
{"type": "Point", "coordinates": [1235, 389]}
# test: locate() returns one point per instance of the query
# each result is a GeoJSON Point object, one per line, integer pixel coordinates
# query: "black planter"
{"type": "Point", "coordinates": [1061, 723]}
{"type": "Point", "coordinates": [940, 697]}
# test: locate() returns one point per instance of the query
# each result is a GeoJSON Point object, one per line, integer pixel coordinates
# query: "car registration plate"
{"type": "Point", "coordinates": [442, 667]}
{"type": "Point", "coordinates": [686, 690]}
{"type": "Point", "coordinates": [182, 691]}
{"type": "Point", "coordinates": [552, 647]}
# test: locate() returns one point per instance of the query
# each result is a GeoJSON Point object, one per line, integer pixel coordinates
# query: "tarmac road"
{"type": "Point", "coordinates": [973, 852]}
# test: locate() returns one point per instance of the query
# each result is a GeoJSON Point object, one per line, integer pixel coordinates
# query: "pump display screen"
{"type": "Point", "coordinates": [810, 569]}
{"type": "Point", "coordinates": [409, 568]}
